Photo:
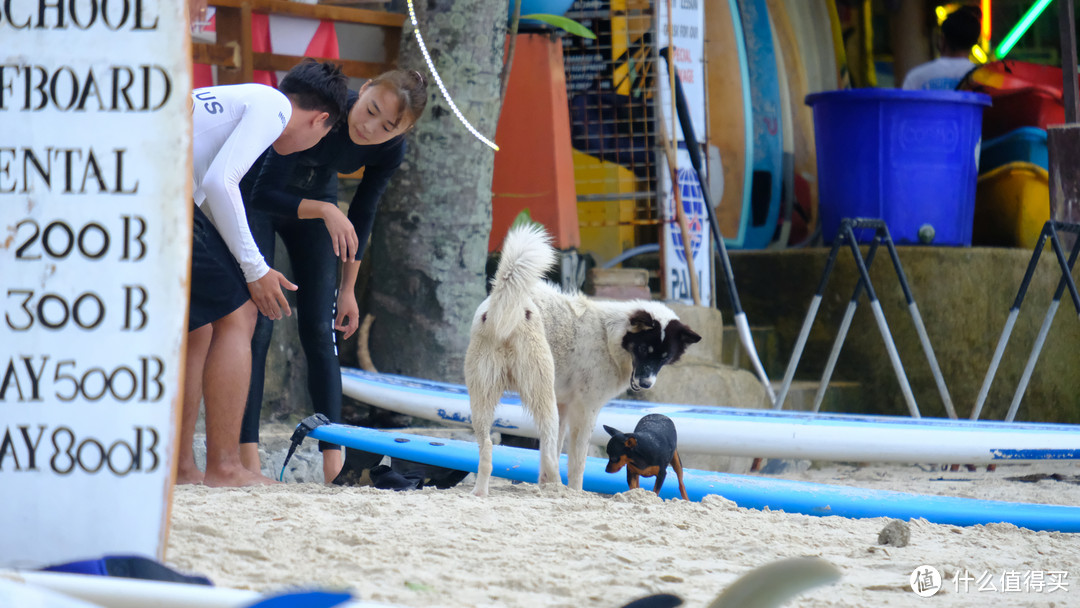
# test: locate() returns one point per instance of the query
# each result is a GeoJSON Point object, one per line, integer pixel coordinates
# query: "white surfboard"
{"type": "Point", "coordinates": [753, 433]}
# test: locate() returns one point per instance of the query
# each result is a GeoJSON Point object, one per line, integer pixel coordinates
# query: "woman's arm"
{"type": "Point", "coordinates": [270, 194]}
{"type": "Point", "coordinates": [366, 200]}
{"type": "Point", "coordinates": [342, 234]}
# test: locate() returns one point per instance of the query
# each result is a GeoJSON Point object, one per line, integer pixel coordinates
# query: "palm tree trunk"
{"type": "Point", "coordinates": [429, 244]}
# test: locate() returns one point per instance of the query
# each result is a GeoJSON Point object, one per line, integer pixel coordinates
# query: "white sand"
{"type": "Point", "coordinates": [527, 546]}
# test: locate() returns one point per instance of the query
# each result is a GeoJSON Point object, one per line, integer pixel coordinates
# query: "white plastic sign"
{"type": "Point", "coordinates": [95, 238]}
{"type": "Point", "coordinates": [688, 42]}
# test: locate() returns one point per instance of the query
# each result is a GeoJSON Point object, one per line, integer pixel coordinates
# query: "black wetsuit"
{"type": "Point", "coordinates": [272, 193]}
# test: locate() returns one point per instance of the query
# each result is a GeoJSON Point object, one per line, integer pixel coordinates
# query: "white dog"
{"type": "Point", "coordinates": [567, 355]}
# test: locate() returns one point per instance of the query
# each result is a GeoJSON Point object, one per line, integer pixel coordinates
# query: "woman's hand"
{"type": "Point", "coordinates": [342, 234]}
{"type": "Point", "coordinates": [348, 314]}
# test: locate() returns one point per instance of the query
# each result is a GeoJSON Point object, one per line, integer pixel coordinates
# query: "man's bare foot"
{"type": "Point", "coordinates": [188, 475]}
{"type": "Point", "coordinates": [235, 477]}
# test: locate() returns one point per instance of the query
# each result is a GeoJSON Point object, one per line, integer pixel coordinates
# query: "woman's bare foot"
{"type": "Point", "coordinates": [332, 463]}
{"type": "Point", "coordinates": [249, 457]}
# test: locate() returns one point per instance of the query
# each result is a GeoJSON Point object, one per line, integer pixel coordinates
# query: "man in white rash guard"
{"type": "Point", "coordinates": [959, 32]}
{"type": "Point", "coordinates": [230, 281]}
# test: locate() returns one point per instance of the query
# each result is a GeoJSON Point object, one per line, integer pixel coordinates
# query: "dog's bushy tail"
{"type": "Point", "coordinates": [527, 255]}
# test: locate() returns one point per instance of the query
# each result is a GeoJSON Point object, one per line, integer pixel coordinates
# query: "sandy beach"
{"type": "Point", "coordinates": [531, 546]}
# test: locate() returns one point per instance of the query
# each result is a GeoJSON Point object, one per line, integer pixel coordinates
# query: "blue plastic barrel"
{"type": "Point", "coordinates": [909, 158]}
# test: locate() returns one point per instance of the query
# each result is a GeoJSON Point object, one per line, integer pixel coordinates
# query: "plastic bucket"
{"type": "Point", "coordinates": [1026, 144]}
{"type": "Point", "coordinates": [909, 158]}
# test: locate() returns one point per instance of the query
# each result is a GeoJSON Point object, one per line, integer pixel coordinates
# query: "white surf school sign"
{"type": "Point", "coordinates": [95, 204]}
{"type": "Point", "coordinates": [688, 43]}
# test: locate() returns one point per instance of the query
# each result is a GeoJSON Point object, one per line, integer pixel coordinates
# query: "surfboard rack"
{"type": "Point", "coordinates": [846, 236]}
{"type": "Point", "coordinates": [1050, 231]}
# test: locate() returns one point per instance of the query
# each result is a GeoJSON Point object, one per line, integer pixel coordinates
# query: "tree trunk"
{"type": "Point", "coordinates": [429, 243]}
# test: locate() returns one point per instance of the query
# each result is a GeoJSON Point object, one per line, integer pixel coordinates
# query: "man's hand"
{"type": "Point", "coordinates": [348, 314]}
{"type": "Point", "coordinates": [268, 297]}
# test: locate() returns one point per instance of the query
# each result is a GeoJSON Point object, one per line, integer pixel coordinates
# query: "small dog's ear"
{"type": "Point", "coordinates": [611, 431]}
{"type": "Point", "coordinates": [641, 321]}
{"type": "Point", "coordinates": [631, 443]}
{"type": "Point", "coordinates": [689, 336]}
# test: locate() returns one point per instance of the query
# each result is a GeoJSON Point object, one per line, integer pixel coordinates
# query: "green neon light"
{"type": "Point", "coordinates": [1021, 28]}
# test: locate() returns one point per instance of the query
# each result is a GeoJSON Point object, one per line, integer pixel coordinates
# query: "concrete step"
{"type": "Point", "coordinates": [840, 396]}
{"type": "Point", "coordinates": [765, 342]}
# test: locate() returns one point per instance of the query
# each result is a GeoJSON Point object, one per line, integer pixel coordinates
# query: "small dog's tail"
{"type": "Point", "coordinates": [527, 255]}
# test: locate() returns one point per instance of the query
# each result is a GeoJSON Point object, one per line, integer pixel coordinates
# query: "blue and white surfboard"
{"type": "Point", "coordinates": [746, 491]}
{"type": "Point", "coordinates": [753, 433]}
{"type": "Point", "coordinates": [758, 223]}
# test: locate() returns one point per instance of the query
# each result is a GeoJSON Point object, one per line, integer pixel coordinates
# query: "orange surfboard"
{"type": "Point", "coordinates": [728, 97]}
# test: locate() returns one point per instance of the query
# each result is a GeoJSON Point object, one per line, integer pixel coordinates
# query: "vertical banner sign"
{"type": "Point", "coordinates": [95, 238]}
{"type": "Point", "coordinates": [687, 17]}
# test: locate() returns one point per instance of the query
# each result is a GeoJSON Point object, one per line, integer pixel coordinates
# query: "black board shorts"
{"type": "Point", "coordinates": [217, 283]}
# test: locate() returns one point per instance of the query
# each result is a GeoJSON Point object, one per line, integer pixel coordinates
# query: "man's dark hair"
{"type": "Point", "coordinates": [961, 29]}
{"type": "Point", "coordinates": [312, 85]}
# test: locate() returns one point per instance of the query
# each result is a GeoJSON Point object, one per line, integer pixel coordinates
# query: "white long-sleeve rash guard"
{"type": "Point", "coordinates": [232, 126]}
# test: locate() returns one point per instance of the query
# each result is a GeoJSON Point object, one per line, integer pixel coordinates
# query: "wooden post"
{"type": "Point", "coordinates": [910, 33]}
{"type": "Point", "coordinates": [233, 26]}
{"type": "Point", "coordinates": [1064, 144]}
{"type": "Point", "coordinates": [1067, 25]}
{"type": "Point", "coordinates": [1064, 140]}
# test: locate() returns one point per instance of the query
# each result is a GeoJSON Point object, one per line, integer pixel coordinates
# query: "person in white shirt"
{"type": "Point", "coordinates": [959, 32]}
{"type": "Point", "coordinates": [230, 281]}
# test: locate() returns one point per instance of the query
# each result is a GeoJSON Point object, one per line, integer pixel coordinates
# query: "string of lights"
{"type": "Point", "coordinates": [442, 87]}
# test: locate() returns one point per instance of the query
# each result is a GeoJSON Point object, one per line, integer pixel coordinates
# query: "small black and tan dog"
{"type": "Point", "coordinates": [646, 452]}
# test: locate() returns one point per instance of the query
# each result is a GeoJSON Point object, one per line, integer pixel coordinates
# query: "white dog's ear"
{"type": "Point", "coordinates": [641, 321]}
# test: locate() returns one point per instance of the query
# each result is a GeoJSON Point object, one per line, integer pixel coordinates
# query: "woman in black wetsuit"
{"type": "Point", "coordinates": [295, 197]}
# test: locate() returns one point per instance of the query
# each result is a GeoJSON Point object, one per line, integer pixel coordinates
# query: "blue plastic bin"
{"type": "Point", "coordinates": [907, 157]}
{"type": "Point", "coordinates": [1026, 144]}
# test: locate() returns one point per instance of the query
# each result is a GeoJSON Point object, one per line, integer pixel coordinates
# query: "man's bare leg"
{"type": "Point", "coordinates": [197, 344]}
{"type": "Point", "coordinates": [332, 461]}
{"type": "Point", "coordinates": [249, 457]}
{"type": "Point", "coordinates": [225, 387]}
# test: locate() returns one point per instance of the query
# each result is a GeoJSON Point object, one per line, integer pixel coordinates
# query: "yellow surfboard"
{"type": "Point", "coordinates": [812, 28]}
